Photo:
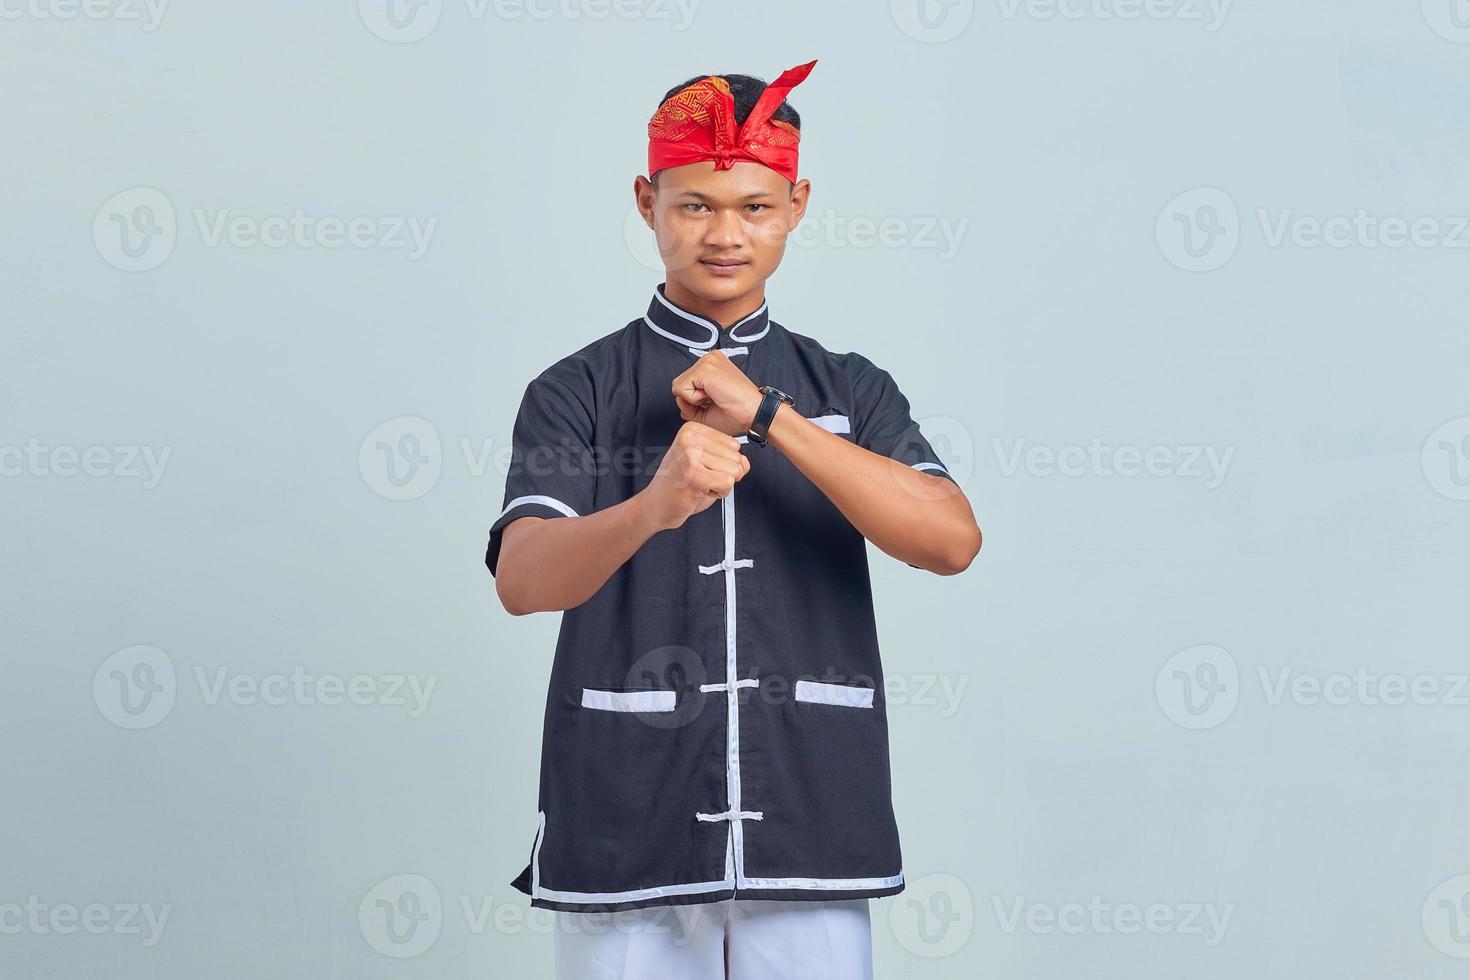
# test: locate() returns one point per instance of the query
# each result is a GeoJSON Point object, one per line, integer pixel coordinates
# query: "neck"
{"type": "Point", "coordinates": [723, 311]}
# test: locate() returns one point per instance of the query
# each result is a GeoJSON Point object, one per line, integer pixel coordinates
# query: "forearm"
{"type": "Point", "coordinates": [918, 518]}
{"type": "Point", "coordinates": [551, 565]}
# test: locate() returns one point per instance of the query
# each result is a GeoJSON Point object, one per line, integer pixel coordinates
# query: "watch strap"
{"type": "Point", "coordinates": [764, 415]}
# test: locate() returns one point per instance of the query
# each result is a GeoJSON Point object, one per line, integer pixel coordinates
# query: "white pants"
{"type": "Point", "coordinates": [729, 940]}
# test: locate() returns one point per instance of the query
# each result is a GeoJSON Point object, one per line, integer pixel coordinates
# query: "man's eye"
{"type": "Point", "coordinates": [756, 206]}
{"type": "Point", "coordinates": [694, 205]}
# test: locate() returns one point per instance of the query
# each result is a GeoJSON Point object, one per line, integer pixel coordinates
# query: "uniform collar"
{"type": "Point", "coordinates": [700, 332]}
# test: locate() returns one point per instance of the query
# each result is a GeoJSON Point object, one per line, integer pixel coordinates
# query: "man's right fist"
{"type": "Point", "coordinates": [702, 466]}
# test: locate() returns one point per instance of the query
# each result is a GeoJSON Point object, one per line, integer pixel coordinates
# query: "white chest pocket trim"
{"type": "Point", "coordinates": [628, 700]}
{"type": "Point", "coordinates": [846, 695]}
{"type": "Point", "coordinates": [832, 423]}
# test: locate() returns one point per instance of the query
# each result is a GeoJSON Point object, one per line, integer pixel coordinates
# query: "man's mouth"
{"type": "Point", "coordinates": [723, 267]}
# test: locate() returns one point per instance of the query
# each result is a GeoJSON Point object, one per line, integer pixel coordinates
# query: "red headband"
{"type": "Point", "coordinates": [698, 123]}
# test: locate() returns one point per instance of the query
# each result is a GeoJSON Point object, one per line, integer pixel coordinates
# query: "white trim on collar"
{"type": "Point", "coordinates": [705, 323]}
{"type": "Point", "coordinates": [699, 321]}
{"type": "Point", "coordinates": [745, 340]}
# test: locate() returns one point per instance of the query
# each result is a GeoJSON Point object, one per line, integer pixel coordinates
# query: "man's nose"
{"type": "Point", "coordinates": [725, 230]}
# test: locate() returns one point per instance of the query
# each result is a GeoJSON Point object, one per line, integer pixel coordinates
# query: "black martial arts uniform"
{"type": "Point", "coordinates": [715, 726]}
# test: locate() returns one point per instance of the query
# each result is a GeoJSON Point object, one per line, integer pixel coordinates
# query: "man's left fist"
{"type": "Point", "coordinates": [715, 382]}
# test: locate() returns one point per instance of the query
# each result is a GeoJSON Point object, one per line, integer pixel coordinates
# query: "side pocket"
{"type": "Point", "coordinates": [628, 700]}
{"type": "Point", "coordinates": [845, 695]}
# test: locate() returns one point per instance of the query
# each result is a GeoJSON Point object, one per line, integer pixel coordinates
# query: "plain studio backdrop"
{"type": "Point", "coordinates": [1178, 288]}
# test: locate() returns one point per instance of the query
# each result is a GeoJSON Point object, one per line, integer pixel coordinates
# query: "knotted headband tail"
{"type": "Point", "coordinates": [775, 94]}
{"type": "Point", "coordinates": [698, 123]}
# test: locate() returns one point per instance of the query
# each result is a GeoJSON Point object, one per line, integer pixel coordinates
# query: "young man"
{"type": "Point", "coordinates": [694, 491]}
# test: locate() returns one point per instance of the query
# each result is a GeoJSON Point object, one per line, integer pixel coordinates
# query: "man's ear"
{"type": "Point", "coordinates": [644, 191]}
{"type": "Point", "coordinates": [800, 194]}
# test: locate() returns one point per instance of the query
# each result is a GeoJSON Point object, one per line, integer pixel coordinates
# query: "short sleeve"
{"type": "Point", "coordinates": [884, 424]}
{"type": "Point", "coordinates": [552, 472]}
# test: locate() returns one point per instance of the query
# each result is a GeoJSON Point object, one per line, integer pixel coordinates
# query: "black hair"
{"type": "Point", "coordinates": [746, 91]}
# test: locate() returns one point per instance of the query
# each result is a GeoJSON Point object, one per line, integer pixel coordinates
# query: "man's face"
{"type": "Point", "coordinates": [721, 233]}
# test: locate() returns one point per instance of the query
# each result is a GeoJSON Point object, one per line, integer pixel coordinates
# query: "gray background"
{"type": "Point", "coordinates": [1092, 714]}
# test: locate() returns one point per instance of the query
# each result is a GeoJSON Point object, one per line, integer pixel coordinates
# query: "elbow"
{"type": "Point", "coordinates": [512, 599]}
{"type": "Point", "coordinates": [961, 552]}
{"type": "Point", "coordinates": [509, 601]}
{"type": "Point", "coordinates": [519, 601]}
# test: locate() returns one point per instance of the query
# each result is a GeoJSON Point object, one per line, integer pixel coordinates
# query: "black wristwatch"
{"type": "Point", "coordinates": [773, 397]}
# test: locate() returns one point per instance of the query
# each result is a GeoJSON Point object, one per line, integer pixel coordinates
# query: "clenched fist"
{"type": "Point", "coordinates": [701, 466]}
{"type": "Point", "coordinates": [714, 383]}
